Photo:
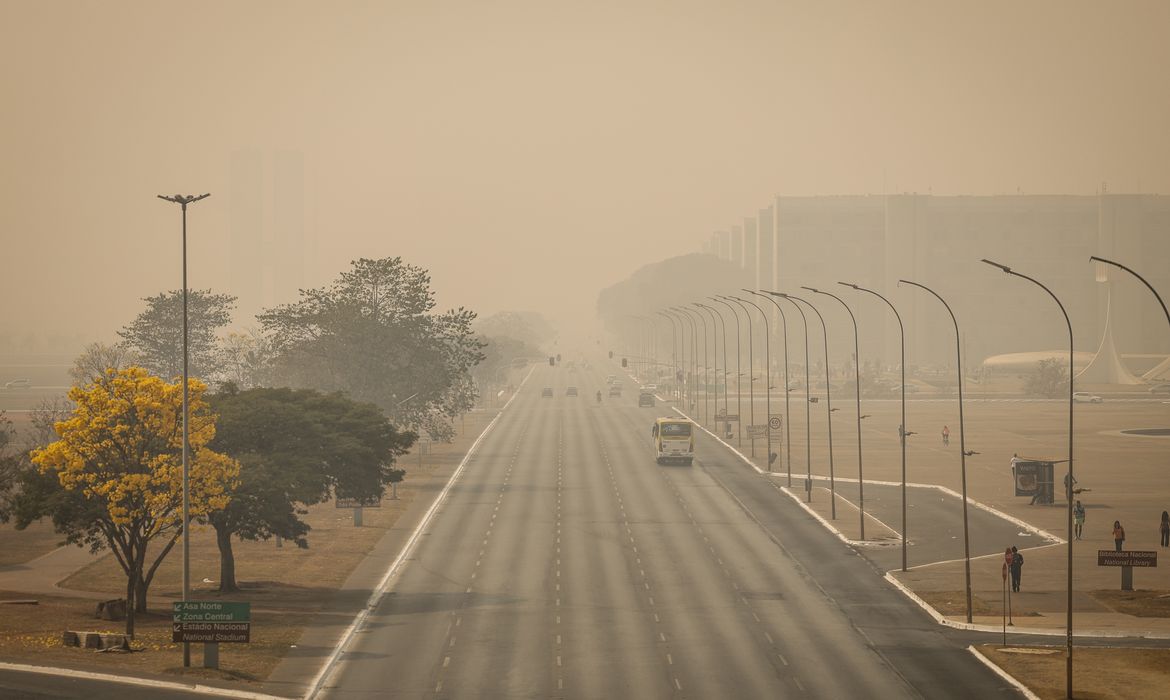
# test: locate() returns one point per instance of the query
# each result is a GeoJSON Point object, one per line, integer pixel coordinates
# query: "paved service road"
{"type": "Point", "coordinates": [566, 563]}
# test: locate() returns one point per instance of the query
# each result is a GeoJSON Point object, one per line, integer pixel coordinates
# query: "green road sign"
{"type": "Point", "coordinates": [211, 611]}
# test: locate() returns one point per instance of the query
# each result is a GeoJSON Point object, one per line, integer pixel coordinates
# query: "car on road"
{"type": "Point", "coordinates": [18, 384]}
{"type": "Point", "coordinates": [571, 391]}
{"type": "Point", "coordinates": [546, 392]}
{"type": "Point", "coordinates": [1086, 397]}
{"type": "Point", "coordinates": [611, 379]}
{"type": "Point", "coordinates": [615, 390]}
{"type": "Point", "coordinates": [646, 400]}
{"type": "Point", "coordinates": [1160, 389]}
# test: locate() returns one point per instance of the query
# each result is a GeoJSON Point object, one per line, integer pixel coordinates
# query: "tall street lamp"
{"type": "Point", "coordinates": [767, 380]}
{"type": "Point", "coordinates": [857, 392]}
{"type": "Point", "coordinates": [738, 371]}
{"type": "Point", "coordinates": [902, 433]}
{"type": "Point", "coordinates": [183, 201]}
{"type": "Point", "coordinates": [751, 374]}
{"type": "Point", "coordinates": [726, 430]}
{"type": "Point", "coordinates": [1068, 484]}
{"type": "Point", "coordinates": [807, 402]}
{"type": "Point", "coordinates": [828, 407]}
{"type": "Point", "coordinates": [673, 347]}
{"type": "Point", "coordinates": [715, 353]}
{"type": "Point", "coordinates": [962, 440]}
{"type": "Point", "coordinates": [787, 388]}
{"type": "Point", "coordinates": [1142, 279]}
{"type": "Point", "coordinates": [706, 378]}
{"type": "Point", "coordinates": [694, 354]}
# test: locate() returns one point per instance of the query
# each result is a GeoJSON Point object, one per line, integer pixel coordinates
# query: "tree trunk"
{"type": "Point", "coordinates": [140, 595]}
{"type": "Point", "coordinates": [131, 580]}
{"type": "Point", "coordinates": [227, 561]}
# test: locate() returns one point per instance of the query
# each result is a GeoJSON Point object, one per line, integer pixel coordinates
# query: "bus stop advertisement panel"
{"type": "Point", "coordinates": [1035, 479]}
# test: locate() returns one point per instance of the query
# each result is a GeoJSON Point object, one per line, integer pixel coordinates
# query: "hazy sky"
{"type": "Point", "coordinates": [531, 153]}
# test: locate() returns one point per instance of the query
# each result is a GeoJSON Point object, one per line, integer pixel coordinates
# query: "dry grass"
{"type": "Point", "coordinates": [20, 546]}
{"type": "Point", "coordinates": [1136, 603]}
{"type": "Point", "coordinates": [1113, 674]}
{"type": "Point", "coordinates": [276, 580]}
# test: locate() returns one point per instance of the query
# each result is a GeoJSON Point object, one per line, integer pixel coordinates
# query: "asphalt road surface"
{"type": "Point", "coordinates": [566, 563]}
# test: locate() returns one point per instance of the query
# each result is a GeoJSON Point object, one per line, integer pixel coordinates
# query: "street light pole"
{"type": "Point", "coordinates": [726, 367]}
{"type": "Point", "coordinates": [767, 380]}
{"type": "Point", "coordinates": [738, 371]}
{"type": "Point", "coordinates": [714, 356]}
{"type": "Point", "coordinates": [183, 201]}
{"type": "Point", "coordinates": [1069, 486]}
{"type": "Point", "coordinates": [1142, 279]}
{"type": "Point", "coordinates": [673, 346]}
{"type": "Point", "coordinates": [694, 357]}
{"type": "Point", "coordinates": [688, 313]}
{"type": "Point", "coordinates": [857, 392]}
{"type": "Point", "coordinates": [706, 386]}
{"type": "Point", "coordinates": [828, 407]}
{"type": "Point", "coordinates": [807, 401]}
{"type": "Point", "coordinates": [902, 433]}
{"type": "Point", "coordinates": [787, 388]}
{"type": "Point", "coordinates": [962, 441]}
{"type": "Point", "coordinates": [751, 375]}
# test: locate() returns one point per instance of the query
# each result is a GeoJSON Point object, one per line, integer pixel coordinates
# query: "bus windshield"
{"type": "Point", "coordinates": [676, 430]}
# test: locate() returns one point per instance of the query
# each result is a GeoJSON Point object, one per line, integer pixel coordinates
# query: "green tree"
{"type": "Point", "coordinates": [156, 334]}
{"type": "Point", "coordinates": [96, 358]}
{"type": "Point", "coordinates": [296, 448]}
{"type": "Point", "coordinates": [1049, 380]}
{"type": "Point", "coordinates": [114, 477]}
{"type": "Point", "coordinates": [373, 335]}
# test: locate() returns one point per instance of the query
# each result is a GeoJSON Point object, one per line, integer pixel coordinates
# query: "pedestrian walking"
{"type": "Point", "coordinates": [1078, 518]}
{"type": "Point", "coordinates": [1118, 535]}
{"type": "Point", "coordinates": [1017, 568]}
{"type": "Point", "coordinates": [1165, 529]}
{"type": "Point", "coordinates": [946, 436]}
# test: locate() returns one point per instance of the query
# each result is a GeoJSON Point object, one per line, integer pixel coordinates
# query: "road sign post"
{"type": "Point", "coordinates": [211, 622]}
{"type": "Point", "coordinates": [1127, 560]}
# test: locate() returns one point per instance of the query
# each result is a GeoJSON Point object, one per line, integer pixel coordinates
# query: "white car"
{"type": "Point", "coordinates": [1086, 397]}
{"type": "Point", "coordinates": [18, 384]}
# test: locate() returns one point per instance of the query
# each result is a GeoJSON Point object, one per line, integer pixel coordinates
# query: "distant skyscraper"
{"type": "Point", "coordinates": [724, 245]}
{"type": "Point", "coordinates": [737, 245]}
{"type": "Point", "coordinates": [765, 276]}
{"type": "Point", "coordinates": [267, 229]}
{"type": "Point", "coordinates": [751, 252]}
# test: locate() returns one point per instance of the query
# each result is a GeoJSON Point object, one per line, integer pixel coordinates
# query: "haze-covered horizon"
{"type": "Point", "coordinates": [527, 154]}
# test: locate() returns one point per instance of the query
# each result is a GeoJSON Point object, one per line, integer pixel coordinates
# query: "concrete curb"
{"type": "Point", "coordinates": [141, 682]}
{"type": "Point", "coordinates": [1003, 674]}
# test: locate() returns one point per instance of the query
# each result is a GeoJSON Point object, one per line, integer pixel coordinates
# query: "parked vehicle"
{"type": "Point", "coordinates": [546, 392]}
{"type": "Point", "coordinates": [571, 391]}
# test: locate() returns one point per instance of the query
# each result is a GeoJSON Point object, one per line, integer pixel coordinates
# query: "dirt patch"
{"type": "Point", "coordinates": [955, 603]}
{"type": "Point", "coordinates": [1105, 674]}
{"type": "Point", "coordinates": [1136, 603]}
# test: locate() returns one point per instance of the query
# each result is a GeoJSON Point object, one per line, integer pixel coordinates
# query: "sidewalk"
{"type": "Point", "coordinates": [41, 575]}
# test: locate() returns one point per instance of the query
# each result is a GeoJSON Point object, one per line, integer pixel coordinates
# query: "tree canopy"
{"type": "Point", "coordinates": [296, 448]}
{"type": "Point", "coordinates": [156, 335]}
{"type": "Point", "coordinates": [373, 334]}
{"type": "Point", "coordinates": [114, 477]}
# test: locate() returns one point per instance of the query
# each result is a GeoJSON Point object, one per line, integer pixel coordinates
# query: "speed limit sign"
{"type": "Point", "coordinates": [774, 422]}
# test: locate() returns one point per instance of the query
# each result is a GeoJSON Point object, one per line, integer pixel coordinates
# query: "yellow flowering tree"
{"type": "Point", "coordinates": [118, 466]}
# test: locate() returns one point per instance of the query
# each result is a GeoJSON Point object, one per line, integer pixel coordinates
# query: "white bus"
{"type": "Point", "coordinates": [674, 441]}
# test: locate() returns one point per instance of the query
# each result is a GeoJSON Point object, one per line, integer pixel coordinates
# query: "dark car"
{"type": "Point", "coordinates": [615, 390]}
{"type": "Point", "coordinates": [646, 400]}
{"type": "Point", "coordinates": [571, 391]}
{"type": "Point", "coordinates": [546, 392]}
{"type": "Point", "coordinates": [1160, 389]}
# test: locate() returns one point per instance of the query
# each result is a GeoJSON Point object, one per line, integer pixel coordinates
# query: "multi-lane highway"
{"type": "Point", "coordinates": [564, 562]}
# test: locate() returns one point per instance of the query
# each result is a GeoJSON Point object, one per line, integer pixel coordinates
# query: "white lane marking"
{"type": "Point", "coordinates": [380, 590]}
{"type": "Point", "coordinates": [677, 684]}
{"type": "Point", "coordinates": [769, 638]}
{"type": "Point", "coordinates": [782, 659]}
{"type": "Point", "coordinates": [446, 661]}
{"type": "Point", "coordinates": [669, 660]}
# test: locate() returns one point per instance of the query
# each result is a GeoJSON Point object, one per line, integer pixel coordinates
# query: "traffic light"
{"type": "Point", "coordinates": [611, 354]}
{"type": "Point", "coordinates": [623, 362]}
{"type": "Point", "coordinates": [552, 361]}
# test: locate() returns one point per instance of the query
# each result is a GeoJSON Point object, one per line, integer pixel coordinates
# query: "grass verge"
{"type": "Point", "coordinates": [1096, 671]}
